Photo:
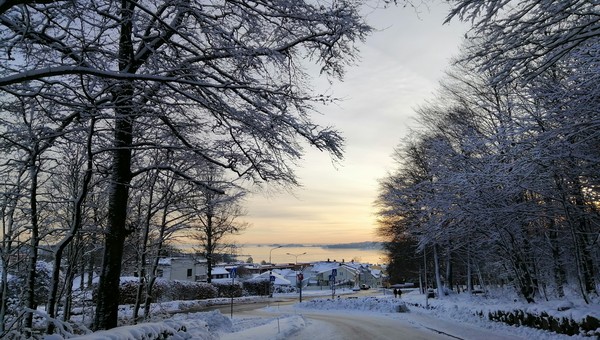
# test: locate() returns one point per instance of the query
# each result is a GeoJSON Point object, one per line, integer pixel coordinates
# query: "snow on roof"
{"type": "Point", "coordinates": [165, 261]}
{"type": "Point", "coordinates": [321, 267]}
{"type": "Point", "coordinates": [219, 270]}
{"type": "Point", "coordinates": [285, 272]}
{"type": "Point", "coordinates": [279, 280]}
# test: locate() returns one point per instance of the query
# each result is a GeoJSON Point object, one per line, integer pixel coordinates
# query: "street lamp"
{"type": "Point", "coordinates": [270, 251]}
{"type": "Point", "coordinates": [296, 256]}
{"type": "Point", "coordinates": [299, 276]}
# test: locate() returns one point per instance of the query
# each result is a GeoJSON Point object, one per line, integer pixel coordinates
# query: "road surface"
{"type": "Point", "coordinates": [349, 325]}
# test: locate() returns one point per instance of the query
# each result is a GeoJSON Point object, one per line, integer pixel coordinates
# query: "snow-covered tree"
{"type": "Point", "coordinates": [225, 79]}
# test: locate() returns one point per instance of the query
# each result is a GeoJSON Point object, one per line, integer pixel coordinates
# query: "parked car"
{"type": "Point", "coordinates": [364, 286]}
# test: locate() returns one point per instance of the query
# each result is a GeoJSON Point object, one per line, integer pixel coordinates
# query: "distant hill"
{"type": "Point", "coordinates": [355, 245]}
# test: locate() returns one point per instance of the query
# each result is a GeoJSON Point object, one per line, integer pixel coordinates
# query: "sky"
{"type": "Point", "coordinates": [400, 67]}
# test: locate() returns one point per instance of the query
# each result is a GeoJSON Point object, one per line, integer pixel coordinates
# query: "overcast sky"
{"type": "Point", "coordinates": [400, 69]}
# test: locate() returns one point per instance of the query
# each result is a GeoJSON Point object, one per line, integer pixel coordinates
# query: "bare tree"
{"type": "Point", "coordinates": [224, 78]}
{"type": "Point", "coordinates": [217, 217]}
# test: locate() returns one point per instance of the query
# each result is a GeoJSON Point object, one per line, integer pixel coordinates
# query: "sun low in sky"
{"type": "Point", "coordinates": [400, 69]}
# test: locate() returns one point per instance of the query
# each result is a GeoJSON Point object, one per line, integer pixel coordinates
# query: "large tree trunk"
{"type": "Point", "coordinates": [108, 287]}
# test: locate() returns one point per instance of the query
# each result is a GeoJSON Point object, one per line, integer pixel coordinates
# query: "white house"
{"type": "Point", "coordinates": [182, 269]}
{"type": "Point", "coordinates": [218, 273]}
{"type": "Point", "coordinates": [279, 279]}
{"type": "Point", "coordinates": [319, 273]}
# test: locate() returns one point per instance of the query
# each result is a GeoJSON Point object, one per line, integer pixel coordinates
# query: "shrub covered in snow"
{"type": "Point", "coordinates": [16, 283]}
{"type": "Point", "coordinates": [257, 287]}
{"type": "Point", "coordinates": [589, 326]}
{"type": "Point", "coordinates": [369, 303]}
{"type": "Point", "coordinates": [165, 290]}
{"type": "Point", "coordinates": [284, 289]}
{"type": "Point", "coordinates": [228, 289]}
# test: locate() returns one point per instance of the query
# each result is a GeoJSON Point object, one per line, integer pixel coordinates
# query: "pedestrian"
{"type": "Point", "coordinates": [395, 293]}
{"type": "Point", "coordinates": [399, 293]}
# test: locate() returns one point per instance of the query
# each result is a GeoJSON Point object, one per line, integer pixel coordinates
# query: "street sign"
{"type": "Point", "coordinates": [334, 272]}
{"type": "Point", "coordinates": [233, 272]}
{"type": "Point", "coordinates": [272, 278]}
{"type": "Point", "coordinates": [300, 277]}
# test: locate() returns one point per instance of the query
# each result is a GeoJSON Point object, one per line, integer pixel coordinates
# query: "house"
{"type": "Point", "coordinates": [319, 274]}
{"type": "Point", "coordinates": [218, 273]}
{"type": "Point", "coordinates": [279, 279]}
{"type": "Point", "coordinates": [182, 269]}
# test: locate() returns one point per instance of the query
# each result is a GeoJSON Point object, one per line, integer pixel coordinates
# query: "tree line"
{"type": "Point", "coordinates": [498, 184]}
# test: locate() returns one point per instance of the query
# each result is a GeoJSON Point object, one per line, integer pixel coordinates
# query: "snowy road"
{"type": "Point", "coordinates": [361, 326]}
{"type": "Point", "coordinates": [349, 325]}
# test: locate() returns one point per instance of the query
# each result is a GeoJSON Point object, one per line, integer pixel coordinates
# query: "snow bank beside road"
{"type": "Point", "coordinates": [370, 303]}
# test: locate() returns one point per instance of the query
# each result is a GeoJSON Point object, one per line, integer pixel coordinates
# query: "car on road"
{"type": "Point", "coordinates": [364, 286]}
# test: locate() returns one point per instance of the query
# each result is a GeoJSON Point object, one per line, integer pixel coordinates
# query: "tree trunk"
{"type": "Point", "coordinates": [559, 271]}
{"type": "Point", "coordinates": [469, 271]}
{"type": "Point", "coordinates": [438, 276]}
{"type": "Point", "coordinates": [159, 244]}
{"type": "Point", "coordinates": [108, 287]}
{"type": "Point", "coordinates": [75, 226]}
{"type": "Point", "coordinates": [107, 305]}
{"type": "Point", "coordinates": [33, 251]}
{"type": "Point", "coordinates": [74, 256]}
{"type": "Point", "coordinates": [5, 251]}
{"type": "Point", "coordinates": [449, 281]}
{"type": "Point", "coordinates": [209, 248]}
{"type": "Point", "coordinates": [143, 253]}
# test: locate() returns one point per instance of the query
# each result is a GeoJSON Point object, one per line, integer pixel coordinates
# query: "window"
{"type": "Point", "coordinates": [189, 273]}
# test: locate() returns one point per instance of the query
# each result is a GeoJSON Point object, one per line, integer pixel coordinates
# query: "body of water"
{"type": "Point", "coordinates": [313, 253]}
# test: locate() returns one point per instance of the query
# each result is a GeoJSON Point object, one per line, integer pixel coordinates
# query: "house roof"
{"type": "Point", "coordinates": [219, 271]}
{"type": "Point", "coordinates": [279, 280]}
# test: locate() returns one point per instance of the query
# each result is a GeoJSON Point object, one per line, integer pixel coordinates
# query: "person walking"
{"type": "Point", "coordinates": [395, 293]}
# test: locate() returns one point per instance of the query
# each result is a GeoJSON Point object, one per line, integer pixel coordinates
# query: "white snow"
{"type": "Point", "coordinates": [453, 315]}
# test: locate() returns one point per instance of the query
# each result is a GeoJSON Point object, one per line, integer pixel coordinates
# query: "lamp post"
{"type": "Point", "coordinates": [296, 256]}
{"type": "Point", "coordinates": [270, 252]}
{"type": "Point", "coordinates": [300, 276]}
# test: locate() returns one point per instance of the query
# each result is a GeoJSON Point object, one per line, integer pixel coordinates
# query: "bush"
{"type": "Point", "coordinates": [228, 289]}
{"type": "Point", "coordinates": [589, 326]}
{"type": "Point", "coordinates": [285, 289]}
{"type": "Point", "coordinates": [257, 287]}
{"type": "Point", "coordinates": [164, 290]}
{"type": "Point", "coordinates": [16, 284]}
{"type": "Point", "coordinates": [185, 290]}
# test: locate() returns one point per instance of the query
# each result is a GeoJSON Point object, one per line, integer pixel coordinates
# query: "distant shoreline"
{"type": "Point", "coordinates": [352, 245]}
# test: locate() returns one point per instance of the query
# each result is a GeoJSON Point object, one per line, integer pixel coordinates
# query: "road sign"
{"type": "Point", "coordinates": [300, 276]}
{"type": "Point", "coordinates": [272, 278]}
{"type": "Point", "coordinates": [334, 272]}
{"type": "Point", "coordinates": [233, 272]}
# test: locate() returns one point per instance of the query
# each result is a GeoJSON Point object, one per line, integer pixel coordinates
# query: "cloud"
{"type": "Point", "coordinates": [400, 68]}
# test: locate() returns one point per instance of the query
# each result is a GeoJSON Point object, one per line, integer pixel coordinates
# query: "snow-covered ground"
{"type": "Point", "coordinates": [453, 315]}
